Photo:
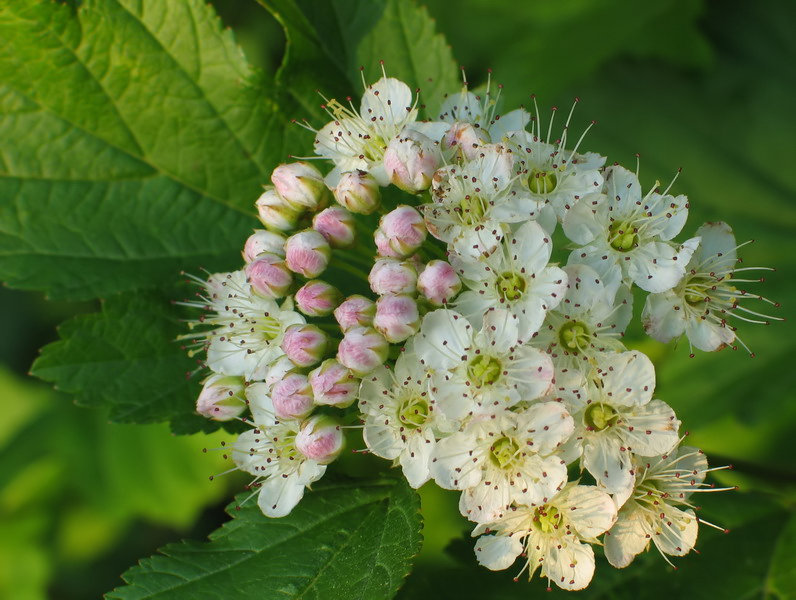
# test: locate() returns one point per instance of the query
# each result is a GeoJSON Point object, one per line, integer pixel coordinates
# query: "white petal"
{"type": "Point", "coordinates": [590, 510]}
{"type": "Point", "coordinates": [628, 378]}
{"type": "Point", "coordinates": [515, 120]}
{"type": "Point", "coordinates": [708, 335]}
{"type": "Point", "coordinates": [629, 537]}
{"type": "Point", "coordinates": [604, 459]}
{"type": "Point", "coordinates": [530, 247]}
{"type": "Point", "coordinates": [453, 464]}
{"type": "Point", "coordinates": [453, 396]}
{"type": "Point", "coordinates": [279, 495]}
{"type": "Point", "coordinates": [659, 266]}
{"type": "Point", "coordinates": [581, 222]}
{"type": "Point", "coordinates": [443, 337]}
{"type": "Point", "coordinates": [670, 213]}
{"type": "Point", "coordinates": [717, 251]}
{"type": "Point", "coordinates": [664, 316]}
{"type": "Point", "coordinates": [497, 552]}
{"type": "Point", "coordinates": [500, 331]}
{"type": "Point", "coordinates": [474, 242]}
{"type": "Point", "coordinates": [652, 429]}
{"type": "Point", "coordinates": [415, 458]}
{"type": "Point", "coordinates": [570, 565]}
{"type": "Point", "coordinates": [260, 404]}
{"type": "Point", "coordinates": [548, 424]}
{"type": "Point", "coordinates": [676, 532]}
{"type": "Point", "coordinates": [383, 440]}
{"type": "Point", "coordinates": [387, 100]}
{"type": "Point", "coordinates": [624, 190]}
{"type": "Point", "coordinates": [532, 371]}
{"type": "Point", "coordinates": [486, 501]}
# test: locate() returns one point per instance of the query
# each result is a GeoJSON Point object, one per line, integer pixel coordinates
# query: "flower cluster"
{"type": "Point", "coordinates": [475, 360]}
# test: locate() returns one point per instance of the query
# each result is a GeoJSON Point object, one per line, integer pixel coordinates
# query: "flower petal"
{"type": "Point", "coordinates": [497, 552]}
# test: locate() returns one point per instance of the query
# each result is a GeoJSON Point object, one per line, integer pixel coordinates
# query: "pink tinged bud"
{"type": "Point", "coordinates": [304, 344]}
{"type": "Point", "coordinates": [269, 276]}
{"type": "Point", "coordinates": [438, 283]}
{"type": "Point", "coordinates": [320, 439]}
{"type": "Point", "coordinates": [464, 141]}
{"type": "Point", "coordinates": [300, 184]}
{"type": "Point", "coordinates": [404, 230]}
{"type": "Point", "coordinates": [362, 349]}
{"type": "Point", "coordinates": [336, 224]}
{"type": "Point", "coordinates": [292, 397]}
{"type": "Point", "coordinates": [262, 241]}
{"type": "Point", "coordinates": [333, 384]}
{"type": "Point", "coordinates": [317, 298]}
{"type": "Point", "coordinates": [383, 245]}
{"type": "Point", "coordinates": [410, 161]}
{"type": "Point", "coordinates": [397, 318]}
{"type": "Point", "coordinates": [222, 398]}
{"type": "Point", "coordinates": [355, 311]}
{"type": "Point", "coordinates": [275, 213]}
{"type": "Point", "coordinates": [358, 191]}
{"type": "Point", "coordinates": [390, 276]}
{"type": "Point", "coordinates": [307, 253]}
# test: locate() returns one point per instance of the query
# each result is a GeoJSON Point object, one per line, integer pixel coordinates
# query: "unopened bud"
{"type": "Point", "coordinates": [397, 317]}
{"type": "Point", "coordinates": [362, 349]}
{"type": "Point", "coordinates": [275, 213]}
{"type": "Point", "coordinates": [269, 276]}
{"type": "Point", "coordinates": [262, 241]}
{"type": "Point", "coordinates": [390, 276]}
{"type": "Point", "coordinates": [307, 253]}
{"type": "Point", "coordinates": [358, 191]}
{"type": "Point", "coordinates": [336, 224]}
{"type": "Point", "coordinates": [355, 311]}
{"type": "Point", "coordinates": [438, 283]}
{"type": "Point", "coordinates": [463, 141]}
{"type": "Point", "coordinates": [410, 161]}
{"type": "Point", "coordinates": [222, 398]}
{"type": "Point", "coordinates": [333, 384]}
{"type": "Point", "coordinates": [304, 344]}
{"type": "Point", "coordinates": [317, 298]}
{"type": "Point", "coordinates": [320, 439]}
{"type": "Point", "coordinates": [292, 397]}
{"type": "Point", "coordinates": [403, 230]}
{"type": "Point", "coordinates": [300, 184]}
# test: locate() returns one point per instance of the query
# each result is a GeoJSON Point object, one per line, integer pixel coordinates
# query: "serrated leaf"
{"type": "Point", "coordinates": [343, 541]}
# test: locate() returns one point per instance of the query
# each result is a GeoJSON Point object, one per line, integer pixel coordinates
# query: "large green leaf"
{"type": "Point", "coordinates": [343, 541]}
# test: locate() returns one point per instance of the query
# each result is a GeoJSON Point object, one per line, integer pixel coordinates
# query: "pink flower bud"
{"type": "Point", "coordinates": [404, 230]}
{"type": "Point", "coordinates": [397, 317]}
{"type": "Point", "coordinates": [292, 397]}
{"type": "Point", "coordinates": [320, 439]}
{"type": "Point", "coordinates": [410, 161]}
{"type": "Point", "coordinates": [383, 245]}
{"type": "Point", "coordinates": [333, 384]}
{"type": "Point", "coordinates": [317, 298]}
{"type": "Point", "coordinates": [268, 276]}
{"type": "Point", "coordinates": [359, 192]}
{"type": "Point", "coordinates": [362, 349]}
{"type": "Point", "coordinates": [464, 141]}
{"type": "Point", "coordinates": [438, 283]}
{"type": "Point", "coordinates": [263, 241]}
{"type": "Point", "coordinates": [304, 344]}
{"type": "Point", "coordinates": [275, 213]}
{"type": "Point", "coordinates": [222, 398]}
{"type": "Point", "coordinates": [355, 311]}
{"type": "Point", "coordinates": [300, 184]}
{"type": "Point", "coordinates": [390, 276]}
{"type": "Point", "coordinates": [307, 253]}
{"type": "Point", "coordinates": [335, 224]}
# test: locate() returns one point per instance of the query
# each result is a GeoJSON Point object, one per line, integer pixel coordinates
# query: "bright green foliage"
{"type": "Point", "coordinates": [345, 540]}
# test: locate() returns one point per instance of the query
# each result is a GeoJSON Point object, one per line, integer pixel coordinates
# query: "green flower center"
{"type": "Point", "coordinates": [547, 519]}
{"type": "Point", "coordinates": [622, 236]}
{"type": "Point", "coordinates": [511, 286]}
{"type": "Point", "coordinates": [413, 412]}
{"type": "Point", "coordinates": [268, 326]}
{"type": "Point", "coordinates": [600, 416]}
{"type": "Point", "coordinates": [503, 451]}
{"type": "Point", "coordinates": [574, 336]}
{"type": "Point", "coordinates": [483, 370]}
{"type": "Point", "coordinates": [542, 182]}
{"type": "Point", "coordinates": [471, 209]}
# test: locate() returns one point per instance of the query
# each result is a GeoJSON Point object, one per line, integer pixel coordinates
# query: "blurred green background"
{"type": "Point", "coordinates": [706, 86]}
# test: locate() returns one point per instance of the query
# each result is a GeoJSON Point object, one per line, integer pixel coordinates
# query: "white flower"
{"type": "Point", "coordinates": [705, 298]}
{"type": "Point", "coordinates": [624, 235]}
{"type": "Point", "coordinates": [507, 458]}
{"type": "Point", "coordinates": [516, 277]}
{"type": "Point", "coordinates": [473, 202]}
{"type": "Point", "coordinates": [480, 372]}
{"type": "Point", "coordinates": [550, 536]}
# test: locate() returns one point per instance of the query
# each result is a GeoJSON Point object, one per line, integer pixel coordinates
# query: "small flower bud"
{"type": "Point", "coordinates": [320, 439]}
{"type": "Point", "coordinates": [410, 161]}
{"type": "Point", "coordinates": [333, 384]}
{"type": "Point", "coordinates": [300, 184]}
{"type": "Point", "coordinates": [292, 397]}
{"type": "Point", "coordinates": [262, 241]}
{"type": "Point", "coordinates": [307, 253]}
{"type": "Point", "coordinates": [397, 317]}
{"type": "Point", "coordinates": [390, 276]}
{"type": "Point", "coordinates": [317, 298]}
{"type": "Point", "coordinates": [463, 141]}
{"type": "Point", "coordinates": [438, 283]}
{"type": "Point", "coordinates": [383, 245]}
{"type": "Point", "coordinates": [404, 230]}
{"type": "Point", "coordinates": [355, 311]}
{"type": "Point", "coordinates": [336, 224]}
{"type": "Point", "coordinates": [359, 192]}
{"type": "Point", "coordinates": [269, 276]}
{"type": "Point", "coordinates": [275, 213]}
{"type": "Point", "coordinates": [362, 349]}
{"type": "Point", "coordinates": [222, 398]}
{"type": "Point", "coordinates": [304, 344]}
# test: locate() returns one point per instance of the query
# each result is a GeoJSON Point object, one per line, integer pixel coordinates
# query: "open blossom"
{"type": "Point", "coordinates": [552, 537]}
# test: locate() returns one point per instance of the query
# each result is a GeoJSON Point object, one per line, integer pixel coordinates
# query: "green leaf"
{"type": "Point", "coordinates": [343, 541]}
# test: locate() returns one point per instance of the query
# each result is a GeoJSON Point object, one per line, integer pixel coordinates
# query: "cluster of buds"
{"type": "Point", "coordinates": [477, 361]}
